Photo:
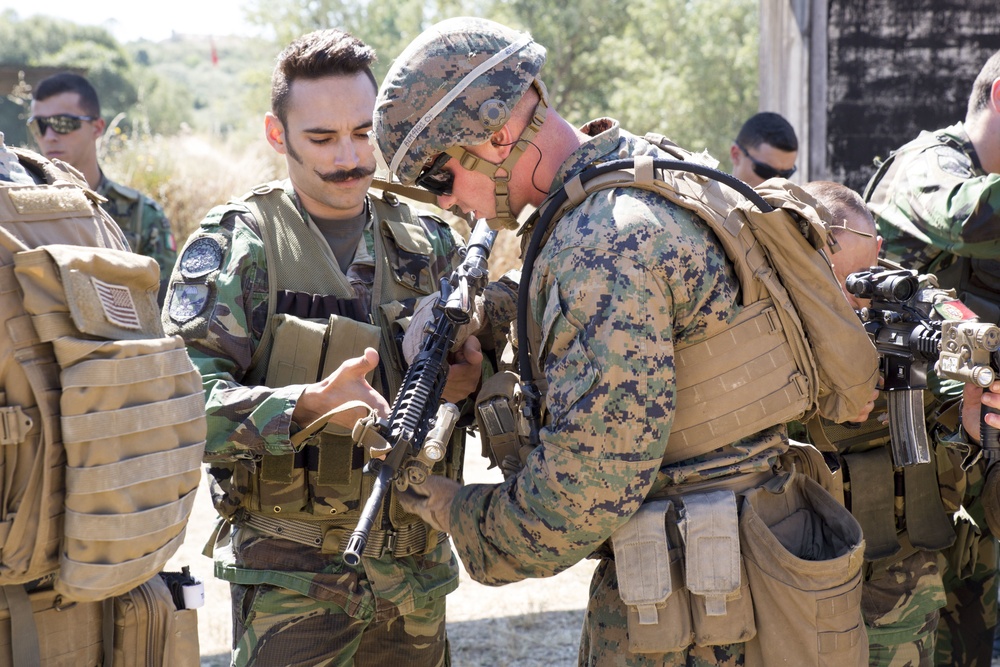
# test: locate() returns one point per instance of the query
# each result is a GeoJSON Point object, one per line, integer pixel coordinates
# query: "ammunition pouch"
{"type": "Point", "coordinates": [502, 429]}
{"type": "Point", "coordinates": [781, 574]}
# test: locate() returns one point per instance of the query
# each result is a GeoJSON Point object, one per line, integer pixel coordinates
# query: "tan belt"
{"type": "Point", "coordinates": [332, 538]}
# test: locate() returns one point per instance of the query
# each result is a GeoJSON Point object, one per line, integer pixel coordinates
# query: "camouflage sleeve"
{"type": "Point", "coordinates": [607, 324]}
{"type": "Point", "coordinates": [950, 207]}
{"type": "Point", "coordinates": [446, 243]}
{"type": "Point", "coordinates": [500, 304]}
{"type": "Point", "coordinates": [157, 237]}
{"type": "Point", "coordinates": [222, 337]}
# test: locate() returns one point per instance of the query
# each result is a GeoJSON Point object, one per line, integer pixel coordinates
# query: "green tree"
{"type": "Point", "coordinates": [685, 68]}
{"type": "Point", "coordinates": [124, 88]}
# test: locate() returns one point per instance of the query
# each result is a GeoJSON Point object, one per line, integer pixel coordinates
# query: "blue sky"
{"type": "Point", "coordinates": [129, 20]}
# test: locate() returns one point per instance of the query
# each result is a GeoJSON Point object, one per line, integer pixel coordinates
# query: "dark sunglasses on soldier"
{"type": "Point", "coordinates": [435, 179]}
{"type": "Point", "coordinates": [62, 123]}
{"type": "Point", "coordinates": [765, 170]}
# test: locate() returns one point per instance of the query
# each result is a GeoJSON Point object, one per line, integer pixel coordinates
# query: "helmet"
{"type": "Point", "coordinates": [454, 85]}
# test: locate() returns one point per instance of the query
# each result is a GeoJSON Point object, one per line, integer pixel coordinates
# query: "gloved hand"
{"type": "Point", "coordinates": [431, 501]}
{"type": "Point", "coordinates": [424, 313]}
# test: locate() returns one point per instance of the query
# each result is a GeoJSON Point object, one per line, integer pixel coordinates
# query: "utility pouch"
{"type": "Point", "coordinates": [132, 415]}
{"type": "Point", "coordinates": [806, 459]}
{"type": "Point", "coordinates": [650, 581]}
{"type": "Point", "coordinates": [498, 417]}
{"type": "Point", "coordinates": [43, 628]}
{"type": "Point", "coordinates": [721, 606]}
{"type": "Point", "coordinates": [308, 350]}
{"type": "Point", "coordinates": [148, 630]}
{"type": "Point", "coordinates": [803, 553]}
{"type": "Point", "coordinates": [872, 500]}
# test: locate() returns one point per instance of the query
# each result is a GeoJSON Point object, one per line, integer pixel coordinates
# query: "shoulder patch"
{"type": "Point", "coordinates": [187, 301]}
{"type": "Point", "coordinates": [201, 256]}
{"type": "Point", "coordinates": [952, 162]}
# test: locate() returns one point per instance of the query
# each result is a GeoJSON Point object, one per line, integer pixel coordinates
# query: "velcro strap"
{"type": "Point", "coordinates": [926, 521]}
{"type": "Point", "coordinates": [109, 527]}
{"type": "Point", "coordinates": [643, 169]}
{"type": "Point", "coordinates": [136, 470]}
{"type": "Point", "coordinates": [117, 372]}
{"type": "Point", "coordinates": [23, 631]}
{"type": "Point", "coordinates": [712, 547]}
{"type": "Point", "coordinates": [575, 191]}
{"type": "Point", "coordinates": [88, 581]}
{"type": "Point", "coordinates": [872, 503]}
{"type": "Point", "coordinates": [642, 560]}
{"type": "Point", "coordinates": [319, 424]}
{"type": "Point", "coordinates": [136, 419]}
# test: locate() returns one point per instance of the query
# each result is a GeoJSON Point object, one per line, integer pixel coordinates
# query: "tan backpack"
{"type": "Point", "coordinates": [103, 422]}
{"type": "Point", "coordinates": [828, 364]}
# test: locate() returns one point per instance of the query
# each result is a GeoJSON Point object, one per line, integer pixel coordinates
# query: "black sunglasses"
{"type": "Point", "coordinates": [765, 170]}
{"type": "Point", "coordinates": [435, 179]}
{"type": "Point", "coordinates": [63, 123]}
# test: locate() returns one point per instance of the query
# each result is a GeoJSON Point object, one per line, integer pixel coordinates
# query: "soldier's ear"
{"type": "Point", "coordinates": [995, 96]}
{"type": "Point", "coordinates": [274, 131]}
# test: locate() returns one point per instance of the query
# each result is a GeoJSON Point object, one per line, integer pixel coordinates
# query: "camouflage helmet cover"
{"type": "Point", "coordinates": [434, 97]}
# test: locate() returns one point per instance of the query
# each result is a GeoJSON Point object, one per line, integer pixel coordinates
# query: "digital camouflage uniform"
{"type": "Point", "coordinates": [620, 280]}
{"type": "Point", "coordinates": [938, 212]}
{"type": "Point", "coordinates": [295, 604]}
{"type": "Point", "coordinates": [144, 223]}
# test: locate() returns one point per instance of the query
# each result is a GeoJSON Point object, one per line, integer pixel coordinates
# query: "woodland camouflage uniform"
{"type": "Point", "coordinates": [389, 606]}
{"type": "Point", "coordinates": [937, 210]}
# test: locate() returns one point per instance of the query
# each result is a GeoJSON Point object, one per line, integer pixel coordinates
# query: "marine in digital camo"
{"type": "Point", "coordinates": [623, 280]}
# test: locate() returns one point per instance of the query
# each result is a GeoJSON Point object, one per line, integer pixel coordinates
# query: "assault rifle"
{"type": "Point", "coordinates": [912, 327]}
{"type": "Point", "coordinates": [419, 426]}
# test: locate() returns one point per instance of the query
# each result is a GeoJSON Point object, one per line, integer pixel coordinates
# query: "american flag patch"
{"type": "Point", "coordinates": [117, 303]}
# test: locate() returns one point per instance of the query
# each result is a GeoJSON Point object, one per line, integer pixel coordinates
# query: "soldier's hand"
{"type": "Point", "coordinates": [866, 409]}
{"type": "Point", "coordinates": [465, 367]}
{"type": "Point", "coordinates": [431, 501]}
{"type": "Point", "coordinates": [424, 313]}
{"type": "Point", "coordinates": [345, 384]}
{"type": "Point", "coordinates": [973, 398]}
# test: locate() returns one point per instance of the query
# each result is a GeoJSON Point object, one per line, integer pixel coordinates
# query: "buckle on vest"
{"type": "Point", "coordinates": [14, 425]}
{"type": "Point", "coordinates": [389, 545]}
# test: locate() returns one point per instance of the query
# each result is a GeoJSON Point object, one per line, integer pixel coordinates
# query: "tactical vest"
{"type": "Point", "coordinates": [321, 485]}
{"type": "Point", "coordinates": [900, 509]}
{"type": "Point", "coordinates": [766, 365]}
{"type": "Point", "coordinates": [977, 281]}
{"type": "Point", "coordinates": [103, 417]}
{"type": "Point", "coordinates": [131, 225]}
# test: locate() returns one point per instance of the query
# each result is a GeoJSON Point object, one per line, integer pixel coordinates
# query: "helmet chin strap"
{"type": "Point", "coordinates": [504, 217]}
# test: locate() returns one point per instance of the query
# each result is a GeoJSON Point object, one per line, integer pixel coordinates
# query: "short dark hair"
{"type": "Point", "coordinates": [770, 128]}
{"type": "Point", "coordinates": [67, 82]}
{"type": "Point", "coordinates": [983, 84]}
{"type": "Point", "coordinates": [316, 55]}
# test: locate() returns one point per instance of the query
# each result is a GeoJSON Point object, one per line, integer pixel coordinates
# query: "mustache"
{"type": "Point", "coordinates": [341, 176]}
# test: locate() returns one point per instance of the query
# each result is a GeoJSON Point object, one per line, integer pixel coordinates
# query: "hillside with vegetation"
{"type": "Point", "coordinates": [184, 114]}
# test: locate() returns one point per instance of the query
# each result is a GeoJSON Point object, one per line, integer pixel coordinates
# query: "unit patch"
{"type": "Point", "coordinates": [201, 257]}
{"type": "Point", "coordinates": [187, 301]}
{"type": "Point", "coordinates": [950, 163]}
